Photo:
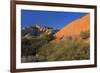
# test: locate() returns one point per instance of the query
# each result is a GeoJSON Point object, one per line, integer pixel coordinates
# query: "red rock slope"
{"type": "Point", "coordinates": [75, 27]}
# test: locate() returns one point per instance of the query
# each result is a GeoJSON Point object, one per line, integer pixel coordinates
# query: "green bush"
{"type": "Point", "coordinates": [65, 50]}
{"type": "Point", "coordinates": [30, 44]}
{"type": "Point", "coordinates": [85, 34]}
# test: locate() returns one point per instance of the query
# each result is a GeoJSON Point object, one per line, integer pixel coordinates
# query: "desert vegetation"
{"type": "Point", "coordinates": [85, 34]}
{"type": "Point", "coordinates": [65, 50]}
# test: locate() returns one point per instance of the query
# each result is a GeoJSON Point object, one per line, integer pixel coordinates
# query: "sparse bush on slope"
{"type": "Point", "coordinates": [85, 34]}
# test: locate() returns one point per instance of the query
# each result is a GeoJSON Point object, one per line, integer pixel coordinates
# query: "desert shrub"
{"type": "Point", "coordinates": [30, 45]}
{"type": "Point", "coordinates": [85, 34]}
{"type": "Point", "coordinates": [26, 47]}
{"type": "Point", "coordinates": [65, 50]}
{"type": "Point", "coordinates": [47, 37]}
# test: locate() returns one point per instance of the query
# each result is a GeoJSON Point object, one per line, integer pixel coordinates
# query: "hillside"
{"type": "Point", "coordinates": [74, 28]}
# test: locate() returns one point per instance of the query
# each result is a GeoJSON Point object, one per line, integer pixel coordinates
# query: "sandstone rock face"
{"type": "Point", "coordinates": [74, 28]}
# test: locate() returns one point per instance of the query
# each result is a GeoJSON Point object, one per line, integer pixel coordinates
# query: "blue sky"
{"type": "Point", "coordinates": [52, 19]}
